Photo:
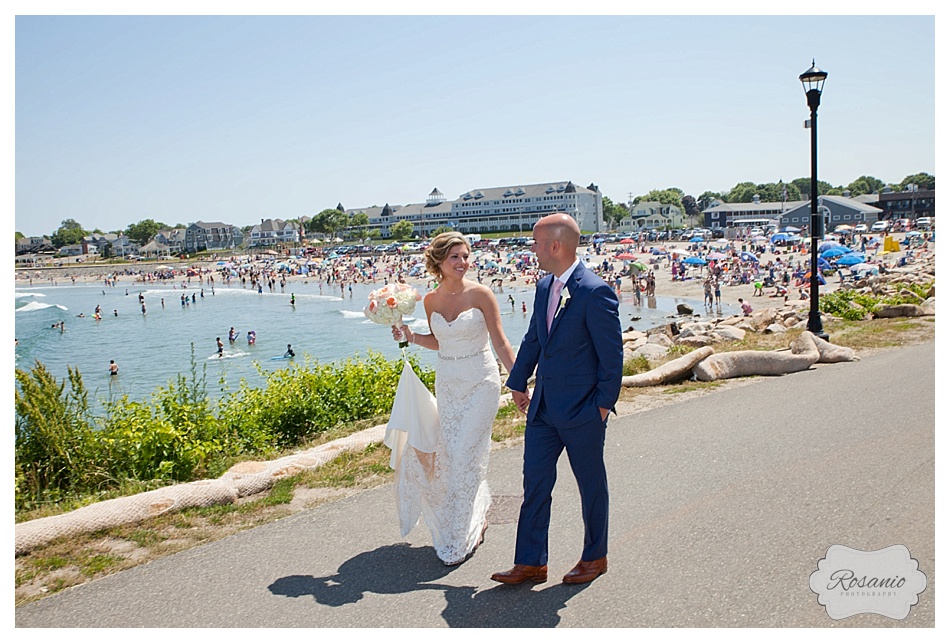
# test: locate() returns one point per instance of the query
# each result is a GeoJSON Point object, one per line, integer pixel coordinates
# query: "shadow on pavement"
{"type": "Point", "coordinates": [393, 569]}
{"type": "Point", "coordinates": [401, 568]}
{"type": "Point", "coordinates": [504, 606]}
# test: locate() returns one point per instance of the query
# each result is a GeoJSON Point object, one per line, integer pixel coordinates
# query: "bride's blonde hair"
{"type": "Point", "coordinates": [439, 249]}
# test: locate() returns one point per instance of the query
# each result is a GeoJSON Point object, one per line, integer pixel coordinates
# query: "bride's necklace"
{"type": "Point", "coordinates": [449, 292]}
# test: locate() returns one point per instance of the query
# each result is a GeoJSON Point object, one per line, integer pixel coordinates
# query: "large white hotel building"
{"type": "Point", "coordinates": [512, 209]}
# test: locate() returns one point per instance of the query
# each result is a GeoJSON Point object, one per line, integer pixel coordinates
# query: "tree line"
{"type": "Point", "coordinates": [335, 222]}
{"type": "Point", "coordinates": [795, 190]}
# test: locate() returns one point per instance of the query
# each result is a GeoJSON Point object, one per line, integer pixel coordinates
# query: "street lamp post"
{"type": "Point", "coordinates": [813, 81]}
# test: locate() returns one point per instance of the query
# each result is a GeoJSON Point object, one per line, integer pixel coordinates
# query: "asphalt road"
{"type": "Point", "coordinates": [721, 507]}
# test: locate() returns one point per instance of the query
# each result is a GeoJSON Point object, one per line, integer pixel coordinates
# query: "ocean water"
{"type": "Point", "coordinates": [153, 348]}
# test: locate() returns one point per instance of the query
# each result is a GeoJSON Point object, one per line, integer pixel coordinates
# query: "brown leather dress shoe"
{"type": "Point", "coordinates": [521, 573]}
{"type": "Point", "coordinates": [586, 571]}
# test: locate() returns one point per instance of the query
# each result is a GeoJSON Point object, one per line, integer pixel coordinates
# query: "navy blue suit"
{"type": "Point", "coordinates": [579, 371]}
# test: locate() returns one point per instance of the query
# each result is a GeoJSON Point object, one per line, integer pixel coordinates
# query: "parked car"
{"type": "Point", "coordinates": [924, 223]}
{"type": "Point", "coordinates": [861, 228]}
{"type": "Point", "coordinates": [880, 226]}
{"type": "Point", "coordinates": [902, 225]}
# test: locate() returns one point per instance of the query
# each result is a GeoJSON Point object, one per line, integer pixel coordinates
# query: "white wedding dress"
{"type": "Point", "coordinates": [449, 488]}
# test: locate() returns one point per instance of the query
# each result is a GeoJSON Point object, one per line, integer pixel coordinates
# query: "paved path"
{"type": "Point", "coordinates": [717, 519]}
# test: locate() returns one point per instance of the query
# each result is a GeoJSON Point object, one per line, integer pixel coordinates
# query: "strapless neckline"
{"type": "Point", "coordinates": [467, 310]}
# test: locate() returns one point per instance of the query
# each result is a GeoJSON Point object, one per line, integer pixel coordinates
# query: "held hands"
{"type": "Point", "coordinates": [521, 399]}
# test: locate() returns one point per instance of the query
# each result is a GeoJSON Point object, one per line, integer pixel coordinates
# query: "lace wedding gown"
{"type": "Point", "coordinates": [449, 488]}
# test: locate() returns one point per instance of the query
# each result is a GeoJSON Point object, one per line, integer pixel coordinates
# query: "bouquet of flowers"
{"type": "Point", "coordinates": [387, 305]}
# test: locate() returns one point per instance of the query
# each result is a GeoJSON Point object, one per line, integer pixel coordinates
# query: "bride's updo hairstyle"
{"type": "Point", "coordinates": [439, 249]}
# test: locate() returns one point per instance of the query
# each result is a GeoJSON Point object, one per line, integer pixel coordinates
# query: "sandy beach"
{"type": "Point", "coordinates": [392, 266]}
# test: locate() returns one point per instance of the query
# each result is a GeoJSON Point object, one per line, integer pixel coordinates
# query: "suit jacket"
{"type": "Point", "coordinates": [580, 361]}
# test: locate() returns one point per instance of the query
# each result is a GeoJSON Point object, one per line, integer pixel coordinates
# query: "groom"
{"type": "Point", "coordinates": [574, 339]}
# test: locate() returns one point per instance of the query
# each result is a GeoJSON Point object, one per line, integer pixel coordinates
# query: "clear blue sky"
{"type": "Point", "coordinates": [185, 118]}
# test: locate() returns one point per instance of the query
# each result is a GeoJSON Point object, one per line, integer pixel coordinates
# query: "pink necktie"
{"type": "Point", "coordinates": [554, 300]}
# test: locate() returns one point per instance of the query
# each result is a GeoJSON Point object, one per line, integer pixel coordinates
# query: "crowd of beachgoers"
{"type": "Point", "coordinates": [694, 270]}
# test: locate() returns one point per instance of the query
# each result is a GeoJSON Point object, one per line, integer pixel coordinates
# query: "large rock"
{"type": "Point", "coordinates": [729, 333]}
{"type": "Point", "coordinates": [632, 335]}
{"type": "Point", "coordinates": [660, 340]}
{"type": "Point", "coordinates": [684, 309]}
{"type": "Point", "coordinates": [636, 343]}
{"type": "Point", "coordinates": [899, 310]}
{"type": "Point", "coordinates": [692, 330]}
{"type": "Point", "coordinates": [774, 329]}
{"type": "Point", "coordinates": [651, 351]}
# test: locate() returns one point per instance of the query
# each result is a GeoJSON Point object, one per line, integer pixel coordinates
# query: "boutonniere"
{"type": "Point", "coordinates": [565, 299]}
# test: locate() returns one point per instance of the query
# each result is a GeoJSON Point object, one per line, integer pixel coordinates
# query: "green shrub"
{"type": "Point", "coordinates": [177, 434]}
{"type": "Point", "coordinates": [637, 364]}
{"type": "Point", "coordinates": [55, 445]}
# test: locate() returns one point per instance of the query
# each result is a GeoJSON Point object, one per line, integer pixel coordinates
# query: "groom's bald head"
{"type": "Point", "coordinates": [556, 238]}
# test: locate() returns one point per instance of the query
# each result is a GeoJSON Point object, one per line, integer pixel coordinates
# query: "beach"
{"type": "Point", "coordinates": [344, 270]}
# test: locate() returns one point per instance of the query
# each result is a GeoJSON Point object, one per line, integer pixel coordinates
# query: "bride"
{"type": "Point", "coordinates": [449, 487]}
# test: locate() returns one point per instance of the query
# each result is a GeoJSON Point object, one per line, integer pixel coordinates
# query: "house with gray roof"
{"type": "Point", "coordinates": [212, 235]}
{"type": "Point", "coordinates": [837, 210]}
{"type": "Point", "coordinates": [273, 232]}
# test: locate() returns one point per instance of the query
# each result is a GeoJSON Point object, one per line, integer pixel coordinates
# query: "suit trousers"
{"type": "Point", "coordinates": [542, 449]}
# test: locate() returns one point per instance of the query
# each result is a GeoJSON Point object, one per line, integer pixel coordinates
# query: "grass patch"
{"type": "Point", "coordinates": [99, 563]}
{"type": "Point", "coordinates": [690, 386]}
{"type": "Point", "coordinates": [636, 364]}
{"type": "Point", "coordinates": [352, 469]}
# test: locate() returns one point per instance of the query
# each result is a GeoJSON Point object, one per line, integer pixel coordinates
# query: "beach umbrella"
{"type": "Point", "coordinates": [851, 259]}
{"type": "Point", "coordinates": [638, 267]}
{"type": "Point", "coordinates": [716, 256]}
{"type": "Point", "coordinates": [625, 255]}
{"type": "Point", "coordinates": [779, 236]}
{"type": "Point", "coordinates": [829, 244]}
{"type": "Point", "coordinates": [789, 228]}
{"type": "Point", "coordinates": [696, 240]}
{"type": "Point", "coordinates": [695, 261]}
{"type": "Point", "coordinates": [864, 267]}
{"type": "Point", "coordinates": [748, 256]}
{"type": "Point", "coordinates": [627, 241]}
{"type": "Point", "coordinates": [836, 251]}
{"type": "Point", "coordinates": [658, 251]}
{"type": "Point", "coordinates": [823, 264]}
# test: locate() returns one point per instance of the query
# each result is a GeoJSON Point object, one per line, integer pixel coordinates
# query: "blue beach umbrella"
{"type": "Point", "coordinates": [748, 256]}
{"type": "Point", "coordinates": [851, 259]}
{"type": "Point", "coordinates": [695, 261]}
{"type": "Point", "coordinates": [827, 245]}
{"type": "Point", "coordinates": [823, 264]}
{"type": "Point", "coordinates": [831, 253]}
{"type": "Point", "coordinates": [780, 236]}
{"type": "Point", "coordinates": [696, 240]}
